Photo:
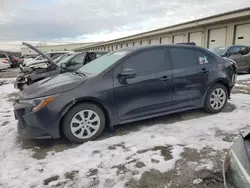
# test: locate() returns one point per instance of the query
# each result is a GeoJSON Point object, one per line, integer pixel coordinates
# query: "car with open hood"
{"type": "Point", "coordinates": [53, 55]}
{"type": "Point", "coordinates": [124, 86]}
{"type": "Point", "coordinates": [49, 67]}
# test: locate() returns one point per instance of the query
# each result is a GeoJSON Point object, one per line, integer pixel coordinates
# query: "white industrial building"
{"type": "Point", "coordinates": [50, 48]}
{"type": "Point", "coordinates": [219, 30]}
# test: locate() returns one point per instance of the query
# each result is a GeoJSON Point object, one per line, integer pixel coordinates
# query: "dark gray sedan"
{"type": "Point", "coordinates": [124, 86]}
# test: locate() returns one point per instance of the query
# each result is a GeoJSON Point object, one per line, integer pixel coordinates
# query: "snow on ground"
{"type": "Point", "coordinates": [115, 157]}
{"type": "Point", "coordinates": [240, 85]}
{"type": "Point", "coordinates": [243, 77]}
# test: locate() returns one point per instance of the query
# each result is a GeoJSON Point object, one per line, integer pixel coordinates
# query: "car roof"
{"type": "Point", "coordinates": [58, 52]}
{"type": "Point", "coordinates": [135, 48]}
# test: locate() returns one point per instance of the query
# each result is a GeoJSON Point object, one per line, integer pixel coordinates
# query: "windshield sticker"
{"type": "Point", "coordinates": [203, 60]}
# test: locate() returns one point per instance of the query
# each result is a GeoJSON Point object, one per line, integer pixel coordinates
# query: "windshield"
{"type": "Point", "coordinates": [65, 59]}
{"type": "Point", "coordinates": [62, 57]}
{"type": "Point", "coordinates": [218, 50]}
{"type": "Point", "coordinates": [98, 65]}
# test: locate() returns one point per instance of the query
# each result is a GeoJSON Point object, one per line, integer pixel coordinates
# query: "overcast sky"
{"type": "Point", "coordinates": [63, 21]}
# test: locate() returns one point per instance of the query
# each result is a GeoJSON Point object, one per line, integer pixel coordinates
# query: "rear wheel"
{"type": "Point", "coordinates": [83, 122]}
{"type": "Point", "coordinates": [216, 98]}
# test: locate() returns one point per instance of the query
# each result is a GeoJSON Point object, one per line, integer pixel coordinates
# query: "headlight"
{"type": "Point", "coordinates": [38, 103]}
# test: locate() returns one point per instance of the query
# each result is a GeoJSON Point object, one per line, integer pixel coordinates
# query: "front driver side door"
{"type": "Point", "coordinates": [77, 62]}
{"type": "Point", "coordinates": [150, 91]}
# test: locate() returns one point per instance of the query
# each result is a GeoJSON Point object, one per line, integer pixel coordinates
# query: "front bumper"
{"type": "Point", "coordinates": [42, 124]}
{"type": "Point", "coordinates": [236, 166]}
{"type": "Point", "coordinates": [21, 82]}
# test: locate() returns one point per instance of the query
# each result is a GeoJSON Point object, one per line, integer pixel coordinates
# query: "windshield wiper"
{"type": "Point", "coordinates": [78, 73]}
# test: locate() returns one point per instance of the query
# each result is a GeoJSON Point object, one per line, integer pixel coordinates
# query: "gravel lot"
{"type": "Point", "coordinates": [183, 150]}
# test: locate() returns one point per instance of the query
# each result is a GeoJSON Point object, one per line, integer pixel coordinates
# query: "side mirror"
{"type": "Point", "coordinates": [227, 54]}
{"type": "Point", "coordinates": [126, 74]}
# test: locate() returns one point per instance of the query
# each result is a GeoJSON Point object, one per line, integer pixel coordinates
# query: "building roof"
{"type": "Point", "coordinates": [58, 45]}
{"type": "Point", "coordinates": [245, 12]}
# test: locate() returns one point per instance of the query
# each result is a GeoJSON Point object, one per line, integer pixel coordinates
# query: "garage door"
{"type": "Point", "coordinates": [178, 39]}
{"type": "Point", "coordinates": [196, 38]}
{"type": "Point", "coordinates": [144, 42]}
{"type": "Point", "coordinates": [154, 41]}
{"type": "Point", "coordinates": [217, 37]}
{"type": "Point", "coordinates": [130, 44]}
{"type": "Point", "coordinates": [242, 34]}
{"type": "Point", "coordinates": [165, 40]}
{"type": "Point", "coordinates": [137, 43]}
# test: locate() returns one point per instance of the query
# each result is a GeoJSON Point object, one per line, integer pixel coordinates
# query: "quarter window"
{"type": "Point", "coordinates": [147, 61]}
{"type": "Point", "coordinates": [183, 58]}
{"type": "Point", "coordinates": [203, 58]}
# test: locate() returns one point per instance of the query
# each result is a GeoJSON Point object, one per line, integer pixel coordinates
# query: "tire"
{"type": "Point", "coordinates": [248, 70]}
{"type": "Point", "coordinates": [77, 125]}
{"type": "Point", "coordinates": [219, 94]}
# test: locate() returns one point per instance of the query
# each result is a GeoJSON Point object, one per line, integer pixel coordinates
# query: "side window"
{"type": "Point", "coordinates": [234, 50]}
{"type": "Point", "coordinates": [148, 61]}
{"type": "Point", "coordinates": [79, 59]}
{"type": "Point", "coordinates": [203, 58]}
{"type": "Point", "coordinates": [183, 58]}
{"type": "Point", "coordinates": [244, 50]}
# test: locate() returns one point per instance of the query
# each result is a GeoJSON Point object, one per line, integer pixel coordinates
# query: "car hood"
{"type": "Point", "coordinates": [40, 53]}
{"type": "Point", "coordinates": [52, 85]}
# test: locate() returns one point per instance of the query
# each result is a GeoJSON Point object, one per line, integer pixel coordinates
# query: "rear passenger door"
{"type": "Point", "coordinates": [190, 76]}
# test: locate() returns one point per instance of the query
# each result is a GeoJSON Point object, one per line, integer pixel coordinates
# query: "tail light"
{"type": "Point", "coordinates": [5, 60]}
{"type": "Point", "coordinates": [14, 60]}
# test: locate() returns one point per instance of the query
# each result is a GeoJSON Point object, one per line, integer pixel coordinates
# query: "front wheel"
{"type": "Point", "coordinates": [84, 122]}
{"type": "Point", "coordinates": [216, 98]}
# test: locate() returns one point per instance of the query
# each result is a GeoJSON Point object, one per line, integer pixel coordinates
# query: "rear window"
{"type": "Point", "coordinates": [2, 56]}
{"type": "Point", "coordinates": [183, 58]}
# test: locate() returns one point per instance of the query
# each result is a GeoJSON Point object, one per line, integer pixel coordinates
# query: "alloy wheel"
{"type": "Point", "coordinates": [85, 124]}
{"type": "Point", "coordinates": [218, 98]}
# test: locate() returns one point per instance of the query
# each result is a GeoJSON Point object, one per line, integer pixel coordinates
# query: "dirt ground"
{"type": "Point", "coordinates": [186, 169]}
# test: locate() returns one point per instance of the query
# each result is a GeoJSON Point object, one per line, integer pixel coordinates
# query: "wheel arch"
{"type": "Point", "coordinates": [75, 102]}
{"type": "Point", "coordinates": [218, 81]}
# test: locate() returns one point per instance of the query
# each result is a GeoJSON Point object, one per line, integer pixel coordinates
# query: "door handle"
{"type": "Point", "coordinates": [204, 70]}
{"type": "Point", "coordinates": [164, 78]}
